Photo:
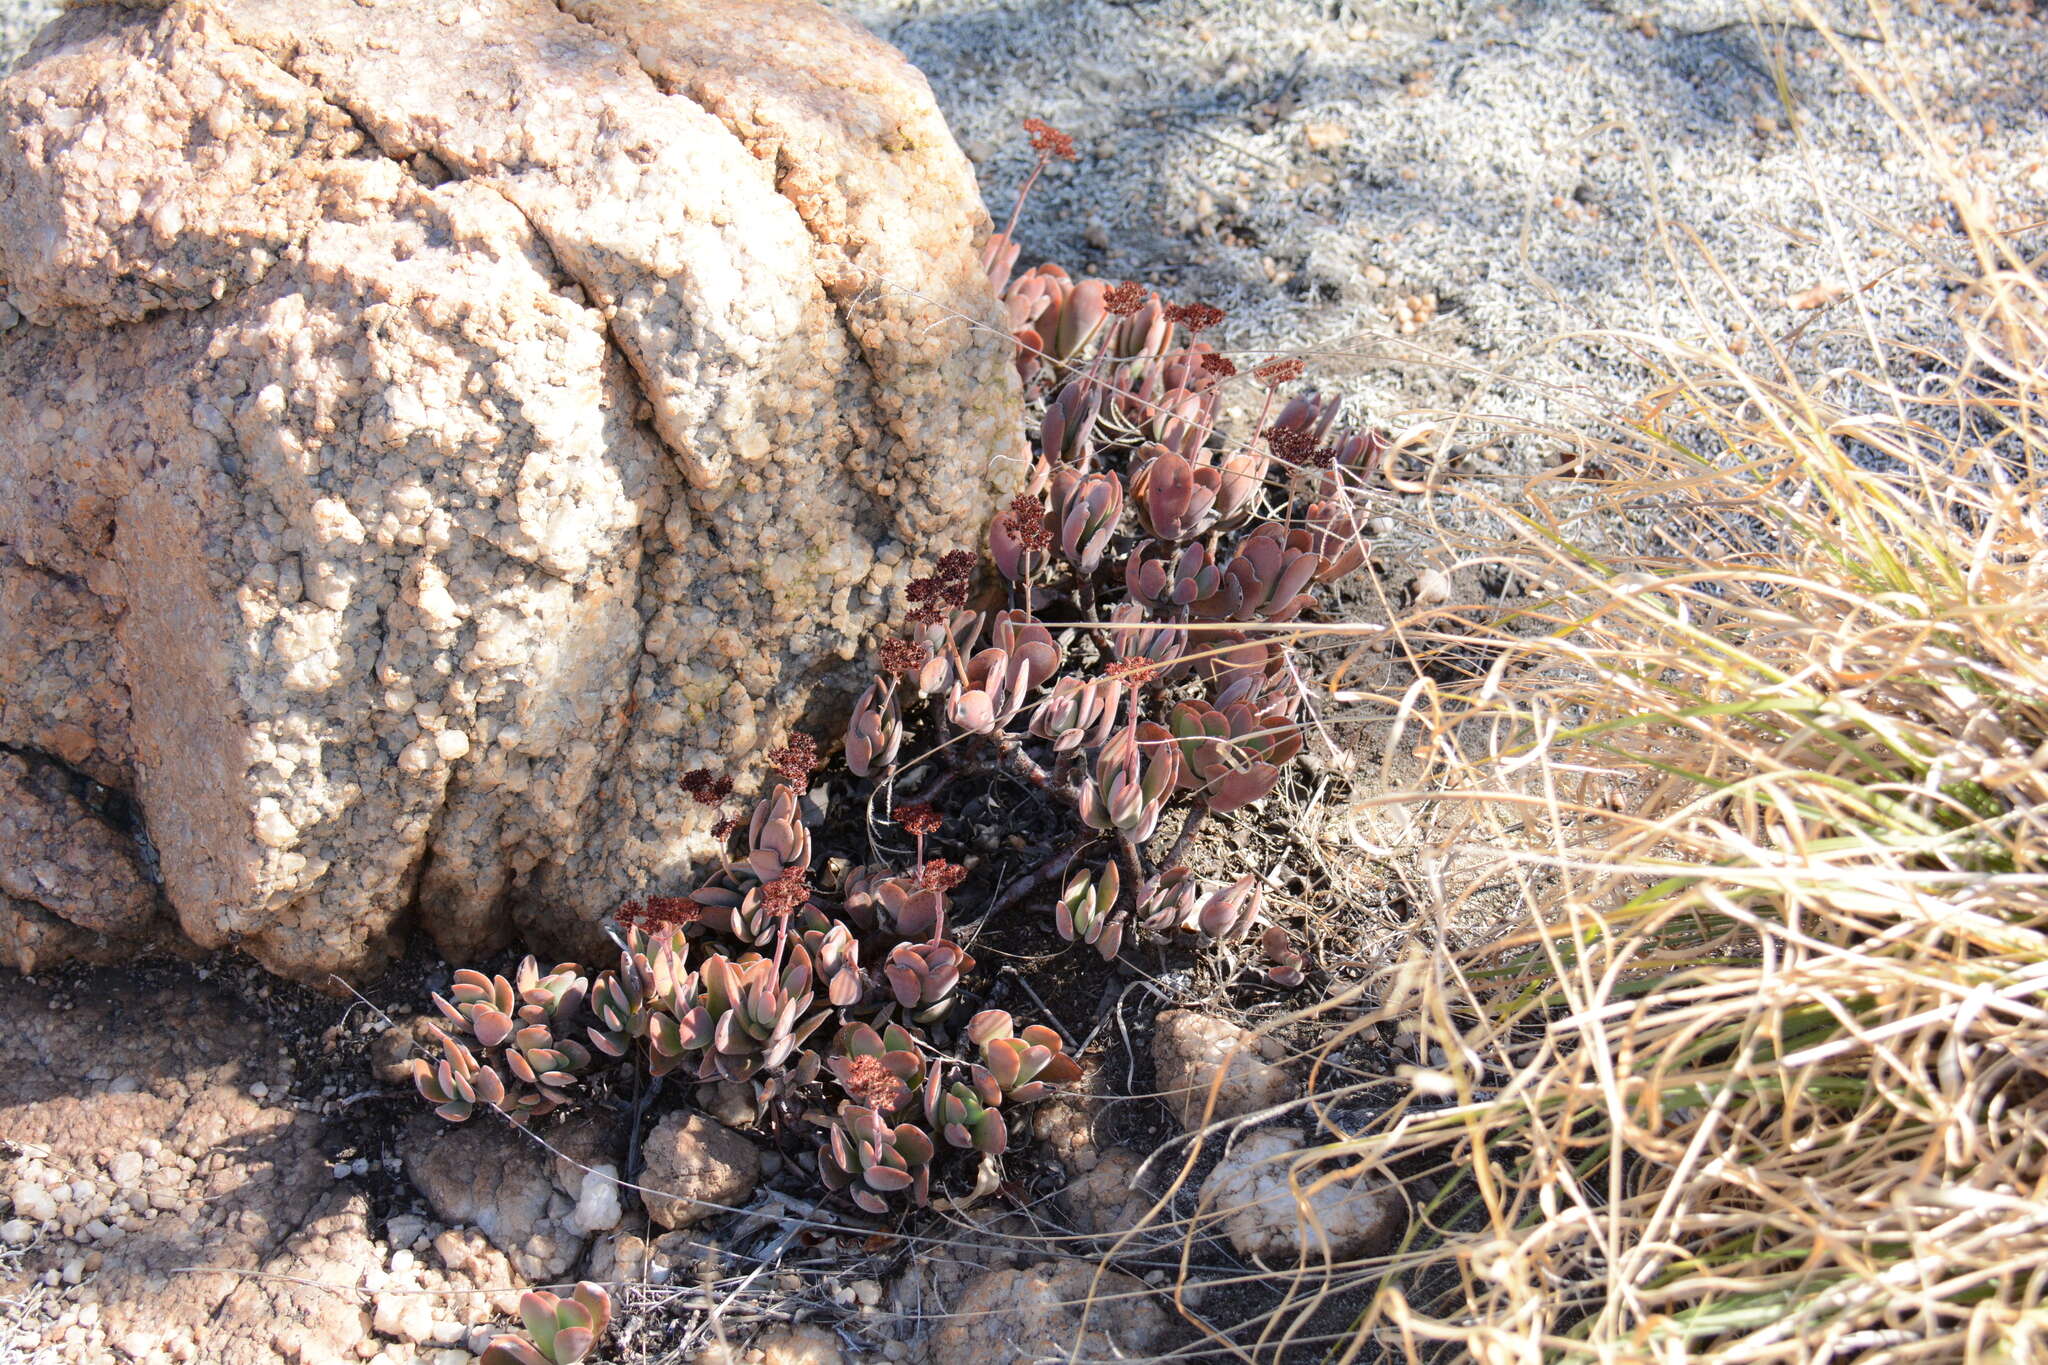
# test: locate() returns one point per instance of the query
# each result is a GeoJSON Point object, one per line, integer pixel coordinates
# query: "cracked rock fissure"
{"type": "Point", "coordinates": [429, 528]}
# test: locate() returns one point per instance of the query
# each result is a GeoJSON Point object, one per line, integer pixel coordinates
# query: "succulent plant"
{"type": "Point", "coordinates": [1288, 967]}
{"type": "Point", "coordinates": [1243, 671]}
{"type": "Point", "coordinates": [945, 645]}
{"type": "Point", "coordinates": [922, 975]}
{"type": "Point", "coordinates": [1165, 577]}
{"type": "Point", "coordinates": [1081, 315]}
{"type": "Point", "coordinates": [520, 1027]}
{"type": "Point", "coordinates": [881, 1071]}
{"type": "Point", "coordinates": [650, 976]}
{"type": "Point", "coordinates": [1142, 332]}
{"type": "Point", "coordinates": [1078, 712]}
{"type": "Point", "coordinates": [1064, 433]}
{"type": "Point", "coordinates": [563, 1330]}
{"type": "Point", "coordinates": [900, 905]}
{"type": "Point", "coordinates": [776, 838]}
{"type": "Point", "coordinates": [1086, 910]}
{"type": "Point", "coordinates": [869, 1159]}
{"type": "Point", "coordinates": [1084, 513]}
{"type": "Point", "coordinates": [1175, 500]}
{"type": "Point", "coordinates": [875, 731]}
{"type": "Point", "coordinates": [1244, 470]}
{"type": "Point", "coordinates": [1133, 778]}
{"type": "Point", "coordinates": [1232, 755]}
{"type": "Point", "coordinates": [966, 1114]}
{"type": "Point", "coordinates": [1180, 421]}
{"type": "Point", "coordinates": [835, 955]}
{"type": "Point", "coordinates": [997, 680]}
{"type": "Point", "coordinates": [749, 1015]}
{"type": "Point", "coordinates": [1133, 637]}
{"type": "Point", "coordinates": [1025, 1065]}
{"type": "Point", "coordinates": [1228, 912]}
{"type": "Point", "coordinates": [1169, 900]}
{"type": "Point", "coordinates": [1265, 580]}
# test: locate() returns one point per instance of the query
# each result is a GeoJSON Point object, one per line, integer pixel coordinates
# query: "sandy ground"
{"type": "Point", "coordinates": [1510, 174]}
{"type": "Point", "coordinates": [1534, 170]}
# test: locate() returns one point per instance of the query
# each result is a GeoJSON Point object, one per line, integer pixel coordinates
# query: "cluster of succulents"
{"type": "Point", "coordinates": [560, 1330]}
{"type": "Point", "coordinates": [1151, 575]}
{"type": "Point", "coordinates": [734, 982]}
{"type": "Point", "coordinates": [1138, 660]}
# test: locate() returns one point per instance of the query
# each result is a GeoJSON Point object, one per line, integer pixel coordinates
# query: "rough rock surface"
{"type": "Point", "coordinates": [1189, 1049]}
{"type": "Point", "coordinates": [701, 1168]}
{"type": "Point", "coordinates": [1108, 1199]}
{"type": "Point", "coordinates": [427, 430]}
{"type": "Point", "coordinates": [1275, 1207]}
{"type": "Point", "coordinates": [800, 1343]}
{"type": "Point", "coordinates": [1038, 1314]}
{"type": "Point", "coordinates": [502, 1182]}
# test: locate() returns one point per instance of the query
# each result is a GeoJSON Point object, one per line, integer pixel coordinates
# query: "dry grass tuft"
{"type": "Point", "coordinates": [1761, 1074]}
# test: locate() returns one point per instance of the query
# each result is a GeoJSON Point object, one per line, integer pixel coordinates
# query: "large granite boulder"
{"type": "Point", "coordinates": [429, 429]}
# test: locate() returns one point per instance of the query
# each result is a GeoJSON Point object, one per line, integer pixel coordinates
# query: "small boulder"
{"type": "Point", "coordinates": [1107, 1200]}
{"type": "Point", "coordinates": [701, 1169]}
{"type": "Point", "coordinates": [495, 1179]}
{"type": "Point", "coordinates": [1004, 1316]}
{"type": "Point", "coordinates": [1065, 1121]}
{"type": "Point", "coordinates": [1190, 1049]}
{"type": "Point", "coordinates": [1272, 1201]}
{"type": "Point", "coordinates": [391, 1055]}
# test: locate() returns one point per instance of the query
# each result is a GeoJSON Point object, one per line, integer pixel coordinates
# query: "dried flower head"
{"type": "Point", "coordinates": [724, 828]}
{"type": "Point", "coordinates": [1218, 365]}
{"type": "Point", "coordinates": [1137, 670]}
{"type": "Point", "coordinates": [901, 656]}
{"type": "Point", "coordinates": [945, 589]}
{"type": "Point", "coordinates": [1274, 373]}
{"type": "Point", "coordinates": [959, 567]}
{"type": "Point", "coordinates": [1049, 141]}
{"type": "Point", "coordinates": [1124, 299]}
{"type": "Point", "coordinates": [660, 912]}
{"type": "Point", "coordinates": [936, 874]}
{"type": "Point", "coordinates": [1291, 444]}
{"type": "Point", "coordinates": [1196, 317]}
{"type": "Point", "coordinates": [705, 789]}
{"type": "Point", "coordinates": [918, 817]}
{"type": "Point", "coordinates": [785, 895]}
{"type": "Point", "coordinates": [1026, 521]}
{"type": "Point", "coordinates": [871, 1083]}
{"type": "Point", "coordinates": [796, 760]}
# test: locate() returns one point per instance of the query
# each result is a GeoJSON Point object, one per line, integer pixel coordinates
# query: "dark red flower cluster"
{"type": "Point", "coordinates": [786, 895]}
{"type": "Point", "coordinates": [1218, 365]}
{"type": "Point", "coordinates": [1049, 141]}
{"type": "Point", "coordinates": [796, 761]}
{"type": "Point", "coordinates": [1274, 373]}
{"type": "Point", "coordinates": [724, 828]}
{"type": "Point", "coordinates": [937, 874]}
{"type": "Point", "coordinates": [1124, 299]}
{"type": "Point", "coordinates": [655, 913]}
{"type": "Point", "coordinates": [946, 590]}
{"type": "Point", "coordinates": [901, 656]}
{"type": "Point", "coordinates": [918, 817]}
{"type": "Point", "coordinates": [1196, 317]}
{"type": "Point", "coordinates": [1026, 521]}
{"type": "Point", "coordinates": [705, 789]}
{"type": "Point", "coordinates": [1292, 444]}
{"type": "Point", "coordinates": [1132, 670]}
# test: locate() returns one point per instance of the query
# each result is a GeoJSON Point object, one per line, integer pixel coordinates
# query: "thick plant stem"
{"type": "Point", "coordinates": [1189, 828]}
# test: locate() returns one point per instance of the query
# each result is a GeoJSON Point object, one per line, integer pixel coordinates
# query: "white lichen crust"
{"type": "Point", "coordinates": [432, 428]}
